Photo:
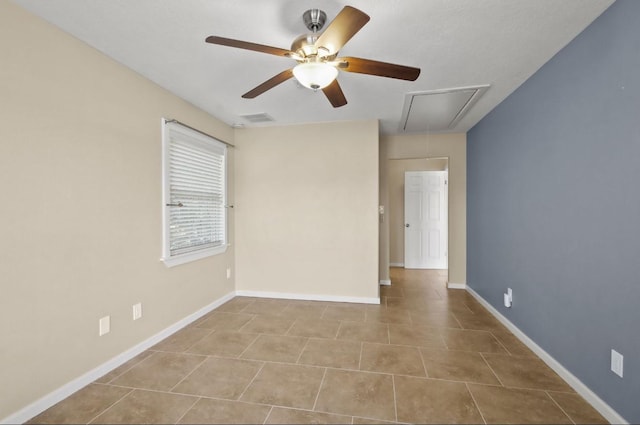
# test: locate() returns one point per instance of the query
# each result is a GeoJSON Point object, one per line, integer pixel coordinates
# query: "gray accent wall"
{"type": "Point", "coordinates": [553, 206]}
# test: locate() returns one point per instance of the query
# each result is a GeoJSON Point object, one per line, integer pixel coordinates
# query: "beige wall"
{"type": "Point", "coordinates": [396, 170]}
{"type": "Point", "coordinates": [453, 147]}
{"type": "Point", "coordinates": [306, 210]}
{"type": "Point", "coordinates": [80, 157]}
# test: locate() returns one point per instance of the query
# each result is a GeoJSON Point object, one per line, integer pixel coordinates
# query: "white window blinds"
{"type": "Point", "coordinates": [195, 183]}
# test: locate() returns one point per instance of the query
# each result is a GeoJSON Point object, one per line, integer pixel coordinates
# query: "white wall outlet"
{"type": "Point", "coordinates": [137, 311]}
{"type": "Point", "coordinates": [104, 325]}
{"type": "Point", "coordinates": [510, 294]}
{"type": "Point", "coordinates": [507, 301]}
{"type": "Point", "coordinates": [617, 363]}
{"type": "Point", "coordinates": [228, 272]}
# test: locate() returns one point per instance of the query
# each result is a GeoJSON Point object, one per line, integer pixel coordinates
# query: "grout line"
{"type": "Point", "coordinates": [561, 409]}
{"type": "Point", "coordinates": [338, 330]}
{"type": "Point", "coordinates": [186, 350]}
{"type": "Point", "coordinates": [395, 403]}
{"type": "Point", "coordinates": [360, 358]}
{"type": "Point", "coordinates": [187, 411]}
{"type": "Point", "coordinates": [319, 389]}
{"type": "Point", "coordinates": [110, 406]}
{"type": "Point", "coordinates": [491, 369]}
{"type": "Point", "coordinates": [205, 358]}
{"type": "Point", "coordinates": [426, 372]}
{"type": "Point", "coordinates": [302, 351]}
{"type": "Point", "coordinates": [248, 321]}
{"type": "Point", "coordinates": [268, 414]}
{"type": "Point", "coordinates": [466, 384]}
{"type": "Point", "coordinates": [501, 344]}
{"type": "Point", "coordinates": [239, 356]}
{"type": "Point", "coordinates": [249, 384]}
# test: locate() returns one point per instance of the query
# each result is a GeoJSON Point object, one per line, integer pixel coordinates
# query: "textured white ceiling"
{"type": "Point", "coordinates": [456, 43]}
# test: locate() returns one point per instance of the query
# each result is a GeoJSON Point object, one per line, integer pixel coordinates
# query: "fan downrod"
{"type": "Point", "coordinates": [314, 19]}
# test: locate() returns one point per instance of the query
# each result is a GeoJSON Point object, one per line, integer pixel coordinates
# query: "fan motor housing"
{"type": "Point", "coordinates": [314, 19]}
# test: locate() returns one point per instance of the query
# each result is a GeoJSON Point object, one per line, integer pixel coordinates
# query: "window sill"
{"type": "Point", "coordinates": [176, 260]}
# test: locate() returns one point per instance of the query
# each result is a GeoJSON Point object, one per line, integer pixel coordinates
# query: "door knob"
{"type": "Point", "coordinates": [406, 225]}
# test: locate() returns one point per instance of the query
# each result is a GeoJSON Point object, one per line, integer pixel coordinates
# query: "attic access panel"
{"type": "Point", "coordinates": [438, 110]}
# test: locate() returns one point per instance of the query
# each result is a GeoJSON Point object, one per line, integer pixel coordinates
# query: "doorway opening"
{"type": "Point", "coordinates": [430, 174]}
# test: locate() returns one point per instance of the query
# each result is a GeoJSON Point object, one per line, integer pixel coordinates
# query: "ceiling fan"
{"type": "Point", "coordinates": [316, 54]}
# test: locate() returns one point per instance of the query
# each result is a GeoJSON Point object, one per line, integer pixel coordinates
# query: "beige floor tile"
{"type": "Point", "coordinates": [161, 371]}
{"type": "Point", "coordinates": [207, 411]}
{"type": "Point", "coordinates": [435, 319]}
{"type": "Point", "coordinates": [419, 336]}
{"type": "Point", "coordinates": [148, 407]}
{"type": "Point", "coordinates": [275, 348]}
{"type": "Point", "coordinates": [223, 343]}
{"type": "Point", "coordinates": [391, 291]}
{"type": "Point", "coordinates": [472, 340]}
{"type": "Point", "coordinates": [331, 353]}
{"type": "Point", "coordinates": [235, 305]}
{"type": "Point", "coordinates": [396, 359]}
{"type": "Point", "coordinates": [384, 314]}
{"type": "Point", "coordinates": [82, 406]}
{"type": "Point", "coordinates": [220, 378]}
{"type": "Point", "coordinates": [182, 340]}
{"type": "Point", "coordinates": [480, 321]}
{"type": "Point", "coordinates": [366, 421]}
{"type": "Point", "coordinates": [268, 307]}
{"type": "Point", "coordinates": [367, 332]}
{"type": "Point", "coordinates": [281, 415]}
{"type": "Point", "coordinates": [314, 328]}
{"type": "Point", "coordinates": [525, 372]}
{"type": "Point", "coordinates": [510, 405]}
{"type": "Point", "coordinates": [265, 324]}
{"type": "Point", "coordinates": [457, 366]}
{"type": "Point", "coordinates": [421, 292]}
{"type": "Point", "coordinates": [285, 385]}
{"type": "Point", "coordinates": [346, 312]}
{"type": "Point", "coordinates": [304, 310]}
{"type": "Point", "coordinates": [577, 408]}
{"type": "Point", "coordinates": [123, 367]}
{"type": "Point", "coordinates": [431, 401]}
{"type": "Point", "coordinates": [222, 321]}
{"type": "Point", "coordinates": [513, 345]}
{"type": "Point", "coordinates": [361, 394]}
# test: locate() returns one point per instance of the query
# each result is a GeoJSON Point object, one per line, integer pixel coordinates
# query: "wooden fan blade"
{"type": "Point", "coordinates": [334, 94]}
{"type": "Point", "coordinates": [348, 22]}
{"type": "Point", "coordinates": [248, 46]}
{"type": "Point", "coordinates": [381, 69]}
{"type": "Point", "coordinates": [269, 84]}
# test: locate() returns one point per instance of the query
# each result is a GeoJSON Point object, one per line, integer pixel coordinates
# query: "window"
{"type": "Point", "coordinates": [194, 195]}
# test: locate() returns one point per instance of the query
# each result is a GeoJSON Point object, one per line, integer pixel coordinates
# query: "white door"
{"type": "Point", "coordinates": [425, 220]}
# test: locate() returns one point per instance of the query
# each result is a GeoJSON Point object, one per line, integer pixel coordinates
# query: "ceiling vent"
{"type": "Point", "coordinates": [257, 118]}
{"type": "Point", "coordinates": [438, 110]}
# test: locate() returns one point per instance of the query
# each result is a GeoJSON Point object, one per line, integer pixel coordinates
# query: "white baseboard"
{"type": "Point", "coordinates": [396, 264]}
{"type": "Point", "coordinates": [385, 282]}
{"type": "Point", "coordinates": [600, 405]}
{"type": "Point", "coordinates": [308, 297]}
{"type": "Point", "coordinates": [452, 285]}
{"type": "Point", "coordinates": [66, 390]}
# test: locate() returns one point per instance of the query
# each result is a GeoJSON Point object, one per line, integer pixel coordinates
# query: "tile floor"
{"type": "Point", "coordinates": [425, 355]}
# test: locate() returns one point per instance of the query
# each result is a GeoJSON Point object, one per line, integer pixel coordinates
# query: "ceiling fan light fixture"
{"type": "Point", "coordinates": [315, 75]}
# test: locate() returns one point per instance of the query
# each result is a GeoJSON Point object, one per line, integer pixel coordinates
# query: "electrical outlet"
{"type": "Point", "coordinates": [137, 311]}
{"type": "Point", "coordinates": [617, 363]}
{"type": "Point", "coordinates": [104, 325]}
{"type": "Point", "coordinates": [228, 272]}
{"type": "Point", "coordinates": [510, 294]}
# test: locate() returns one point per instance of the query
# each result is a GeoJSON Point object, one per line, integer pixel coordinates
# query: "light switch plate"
{"type": "Point", "coordinates": [617, 363]}
{"type": "Point", "coordinates": [104, 325]}
{"type": "Point", "coordinates": [137, 311]}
